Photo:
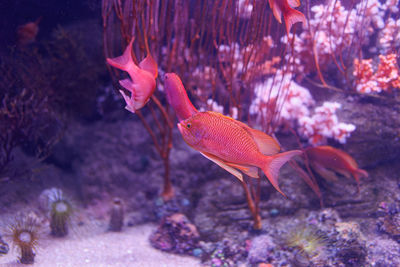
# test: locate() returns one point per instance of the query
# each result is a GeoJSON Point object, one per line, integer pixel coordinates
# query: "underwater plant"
{"type": "Point", "coordinates": [116, 215]}
{"type": "Point", "coordinates": [24, 233]}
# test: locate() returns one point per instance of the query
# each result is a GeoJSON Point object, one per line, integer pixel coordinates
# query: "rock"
{"type": "Point", "coordinates": [176, 234]}
{"type": "Point", "coordinates": [376, 138]}
{"type": "Point", "coordinates": [261, 249]}
{"type": "Point", "coordinates": [350, 244]}
{"type": "Point", "coordinates": [383, 252]}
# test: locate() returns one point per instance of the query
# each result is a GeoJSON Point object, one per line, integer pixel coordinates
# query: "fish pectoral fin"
{"type": "Point", "coordinates": [266, 144]}
{"type": "Point", "coordinates": [324, 172]}
{"type": "Point", "coordinates": [223, 165]}
{"type": "Point", "coordinates": [249, 170]}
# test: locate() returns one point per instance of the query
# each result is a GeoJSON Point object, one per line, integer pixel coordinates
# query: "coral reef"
{"type": "Point", "coordinates": [386, 77]}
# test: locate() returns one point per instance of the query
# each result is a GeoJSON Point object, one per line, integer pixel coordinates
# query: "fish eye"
{"type": "Point", "coordinates": [188, 125]}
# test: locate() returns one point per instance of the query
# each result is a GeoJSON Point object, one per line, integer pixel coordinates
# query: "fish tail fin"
{"type": "Point", "coordinates": [357, 174]}
{"type": "Point", "coordinates": [124, 62]}
{"type": "Point", "coordinates": [273, 164]}
{"type": "Point", "coordinates": [292, 16]}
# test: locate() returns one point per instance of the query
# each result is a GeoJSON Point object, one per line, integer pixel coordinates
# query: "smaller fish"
{"type": "Point", "coordinates": [26, 34]}
{"type": "Point", "coordinates": [327, 160]}
{"type": "Point", "coordinates": [235, 146]}
{"type": "Point", "coordinates": [177, 97]}
{"type": "Point", "coordinates": [290, 15]}
{"type": "Point", "coordinates": [142, 82]}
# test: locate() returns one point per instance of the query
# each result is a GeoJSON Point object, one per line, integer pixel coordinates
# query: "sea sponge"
{"type": "Point", "coordinates": [23, 234]}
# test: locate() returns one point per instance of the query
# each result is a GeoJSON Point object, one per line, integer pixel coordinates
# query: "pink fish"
{"type": "Point", "coordinates": [27, 33]}
{"type": "Point", "coordinates": [177, 97]}
{"type": "Point", "coordinates": [290, 15]}
{"type": "Point", "coordinates": [142, 82]}
{"type": "Point", "coordinates": [326, 159]}
{"type": "Point", "coordinates": [235, 146]}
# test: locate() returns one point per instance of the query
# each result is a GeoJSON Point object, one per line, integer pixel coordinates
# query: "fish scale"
{"type": "Point", "coordinates": [223, 132]}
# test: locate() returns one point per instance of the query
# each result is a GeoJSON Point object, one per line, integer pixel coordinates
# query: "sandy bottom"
{"type": "Point", "coordinates": [128, 248]}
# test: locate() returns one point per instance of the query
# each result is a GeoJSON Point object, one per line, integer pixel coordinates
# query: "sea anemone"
{"type": "Point", "coordinates": [24, 234]}
{"type": "Point", "coordinates": [3, 247]}
{"type": "Point", "coordinates": [60, 214]}
{"type": "Point", "coordinates": [116, 215]}
{"type": "Point", "coordinates": [308, 241]}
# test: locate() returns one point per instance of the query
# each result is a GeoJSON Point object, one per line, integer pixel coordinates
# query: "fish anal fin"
{"type": "Point", "coordinates": [249, 170]}
{"type": "Point", "coordinates": [223, 165]}
{"type": "Point", "coordinates": [150, 65]}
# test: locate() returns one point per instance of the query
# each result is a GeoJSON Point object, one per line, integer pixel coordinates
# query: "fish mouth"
{"type": "Point", "coordinates": [180, 127]}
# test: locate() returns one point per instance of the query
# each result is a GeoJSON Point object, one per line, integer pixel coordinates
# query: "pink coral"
{"type": "Point", "coordinates": [385, 78]}
{"type": "Point", "coordinates": [325, 124]}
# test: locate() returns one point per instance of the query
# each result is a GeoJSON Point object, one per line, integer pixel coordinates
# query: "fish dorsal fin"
{"type": "Point", "coordinates": [249, 170]}
{"type": "Point", "coordinates": [223, 165]}
{"type": "Point", "coordinates": [150, 65]}
{"type": "Point", "coordinates": [265, 143]}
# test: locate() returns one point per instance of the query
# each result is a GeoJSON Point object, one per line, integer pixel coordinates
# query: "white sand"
{"type": "Point", "coordinates": [128, 248]}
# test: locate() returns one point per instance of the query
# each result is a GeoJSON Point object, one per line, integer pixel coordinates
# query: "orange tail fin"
{"type": "Point", "coordinates": [292, 16]}
{"type": "Point", "coordinates": [124, 62]}
{"type": "Point", "coordinates": [273, 164]}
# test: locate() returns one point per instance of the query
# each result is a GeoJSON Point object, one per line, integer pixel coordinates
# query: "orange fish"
{"type": "Point", "coordinates": [142, 82]}
{"type": "Point", "coordinates": [235, 146]}
{"type": "Point", "coordinates": [27, 33]}
{"type": "Point", "coordinates": [324, 159]}
{"type": "Point", "coordinates": [290, 15]}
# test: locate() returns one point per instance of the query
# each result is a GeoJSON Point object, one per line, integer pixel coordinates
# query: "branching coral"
{"type": "Point", "coordinates": [281, 95]}
{"type": "Point", "coordinates": [336, 31]}
{"type": "Point", "coordinates": [293, 102]}
{"type": "Point", "coordinates": [385, 78]}
{"type": "Point", "coordinates": [25, 118]}
{"type": "Point", "coordinates": [325, 124]}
